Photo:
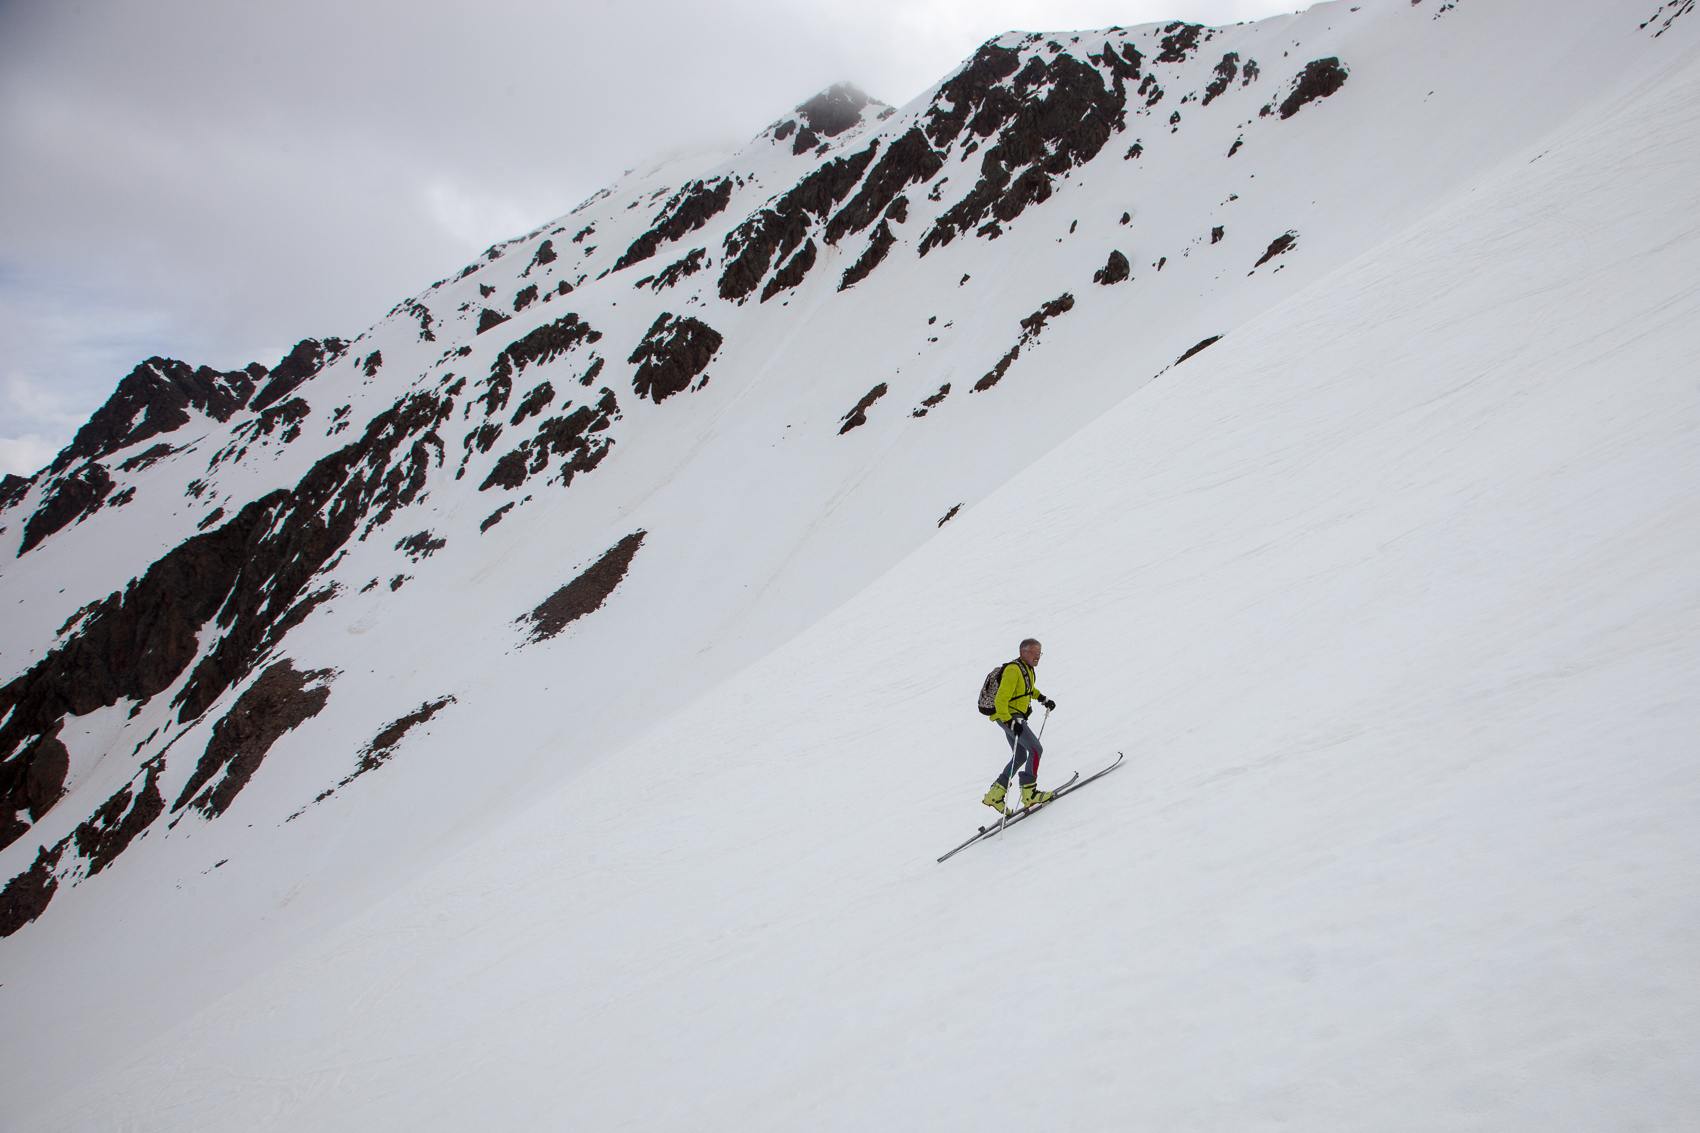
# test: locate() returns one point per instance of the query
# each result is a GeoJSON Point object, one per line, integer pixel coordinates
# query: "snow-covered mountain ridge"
{"type": "Point", "coordinates": [517, 529]}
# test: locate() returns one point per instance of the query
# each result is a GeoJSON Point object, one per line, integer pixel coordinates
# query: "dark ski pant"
{"type": "Point", "coordinates": [1025, 746]}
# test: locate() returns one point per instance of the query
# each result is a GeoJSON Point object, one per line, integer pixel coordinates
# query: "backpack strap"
{"type": "Point", "coordinates": [1026, 675]}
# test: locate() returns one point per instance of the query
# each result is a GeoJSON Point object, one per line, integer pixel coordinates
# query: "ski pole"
{"type": "Point", "coordinates": [1014, 748]}
{"type": "Point", "coordinates": [1014, 753]}
{"type": "Point", "coordinates": [1034, 766]}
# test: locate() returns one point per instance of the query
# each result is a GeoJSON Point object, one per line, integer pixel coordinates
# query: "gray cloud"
{"type": "Point", "coordinates": [213, 181]}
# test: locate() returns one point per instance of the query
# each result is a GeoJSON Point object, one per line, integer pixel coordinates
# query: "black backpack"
{"type": "Point", "coordinates": [989, 688]}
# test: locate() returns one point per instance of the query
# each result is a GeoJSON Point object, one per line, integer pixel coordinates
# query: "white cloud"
{"type": "Point", "coordinates": [477, 219]}
{"type": "Point", "coordinates": [25, 455]}
{"type": "Point", "coordinates": [62, 349]}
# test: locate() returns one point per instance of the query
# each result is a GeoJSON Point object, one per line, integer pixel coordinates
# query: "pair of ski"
{"type": "Point", "coordinates": [1013, 817]}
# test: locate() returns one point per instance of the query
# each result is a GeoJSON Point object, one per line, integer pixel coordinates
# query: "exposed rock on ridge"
{"type": "Point", "coordinates": [155, 398]}
{"type": "Point", "coordinates": [307, 358]}
{"type": "Point", "coordinates": [1048, 119]}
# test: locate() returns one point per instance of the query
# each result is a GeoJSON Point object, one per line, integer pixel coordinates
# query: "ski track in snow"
{"type": "Point", "coordinates": [1388, 595]}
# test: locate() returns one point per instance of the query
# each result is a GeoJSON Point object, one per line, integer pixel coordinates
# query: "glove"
{"type": "Point", "coordinates": [1050, 705]}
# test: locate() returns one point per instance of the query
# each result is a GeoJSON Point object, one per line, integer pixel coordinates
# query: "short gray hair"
{"type": "Point", "coordinates": [1029, 641]}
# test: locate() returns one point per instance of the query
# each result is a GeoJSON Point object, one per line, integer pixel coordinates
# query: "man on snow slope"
{"type": "Point", "coordinates": [1015, 697]}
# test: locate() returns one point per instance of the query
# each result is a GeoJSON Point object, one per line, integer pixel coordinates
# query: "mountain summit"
{"type": "Point", "coordinates": [546, 707]}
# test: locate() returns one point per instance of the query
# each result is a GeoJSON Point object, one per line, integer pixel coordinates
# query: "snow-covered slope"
{"type": "Point", "coordinates": [1387, 594]}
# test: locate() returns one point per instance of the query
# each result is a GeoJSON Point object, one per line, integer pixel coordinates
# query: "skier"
{"type": "Point", "coordinates": [1015, 697]}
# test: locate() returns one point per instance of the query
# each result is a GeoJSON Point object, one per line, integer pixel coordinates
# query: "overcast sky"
{"type": "Point", "coordinates": [213, 180]}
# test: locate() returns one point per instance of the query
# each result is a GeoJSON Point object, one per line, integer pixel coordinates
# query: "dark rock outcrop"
{"type": "Point", "coordinates": [26, 896]}
{"type": "Point", "coordinates": [1034, 323]}
{"type": "Point", "coordinates": [995, 375]}
{"type": "Point", "coordinates": [377, 753]}
{"type": "Point", "coordinates": [686, 211]}
{"type": "Point", "coordinates": [909, 161]}
{"type": "Point", "coordinates": [248, 581]}
{"type": "Point", "coordinates": [1276, 247]}
{"type": "Point", "coordinates": [1124, 65]}
{"type": "Point", "coordinates": [791, 273]}
{"type": "Point", "coordinates": [420, 545]}
{"type": "Point", "coordinates": [534, 403]}
{"type": "Point", "coordinates": [975, 92]}
{"type": "Point", "coordinates": [134, 644]}
{"type": "Point", "coordinates": [147, 456]}
{"type": "Point", "coordinates": [878, 245]}
{"type": "Point", "coordinates": [858, 414]}
{"type": "Point", "coordinates": [545, 255]}
{"type": "Point", "coordinates": [1211, 341]}
{"type": "Point", "coordinates": [932, 402]}
{"type": "Point", "coordinates": [31, 781]}
{"type": "Point", "coordinates": [834, 110]}
{"type": "Point", "coordinates": [13, 488]}
{"type": "Point", "coordinates": [423, 313]}
{"type": "Point", "coordinates": [673, 351]}
{"type": "Point", "coordinates": [1178, 39]}
{"type": "Point", "coordinates": [120, 819]}
{"type": "Point", "coordinates": [572, 435]}
{"type": "Point", "coordinates": [382, 748]}
{"type": "Point", "coordinates": [286, 415]}
{"type": "Point", "coordinates": [69, 500]}
{"type": "Point", "coordinates": [509, 470]}
{"type": "Point", "coordinates": [546, 343]}
{"type": "Point", "coordinates": [277, 702]}
{"type": "Point", "coordinates": [775, 232]}
{"type": "Point", "coordinates": [1049, 118]}
{"type": "Point", "coordinates": [584, 594]}
{"type": "Point", "coordinates": [155, 398]}
{"type": "Point", "coordinates": [1116, 270]}
{"type": "Point", "coordinates": [1226, 72]}
{"type": "Point", "coordinates": [307, 358]}
{"type": "Point", "coordinates": [357, 488]}
{"type": "Point", "coordinates": [679, 269]}
{"type": "Point", "coordinates": [1319, 79]}
{"type": "Point", "coordinates": [1031, 326]}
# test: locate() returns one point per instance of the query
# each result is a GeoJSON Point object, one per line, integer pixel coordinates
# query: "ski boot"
{"type": "Point", "coordinates": [994, 798]}
{"type": "Point", "coordinates": [1031, 795]}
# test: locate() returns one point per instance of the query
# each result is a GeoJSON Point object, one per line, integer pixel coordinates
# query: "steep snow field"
{"type": "Point", "coordinates": [1388, 595]}
{"type": "Point", "coordinates": [1390, 599]}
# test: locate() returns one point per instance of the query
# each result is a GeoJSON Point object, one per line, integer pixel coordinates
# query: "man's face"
{"type": "Point", "coordinates": [1030, 655]}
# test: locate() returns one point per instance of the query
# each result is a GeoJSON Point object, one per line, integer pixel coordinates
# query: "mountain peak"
{"type": "Point", "coordinates": [838, 108]}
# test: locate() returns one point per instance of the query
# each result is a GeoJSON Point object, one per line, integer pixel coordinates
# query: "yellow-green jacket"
{"type": "Point", "coordinates": [1016, 692]}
